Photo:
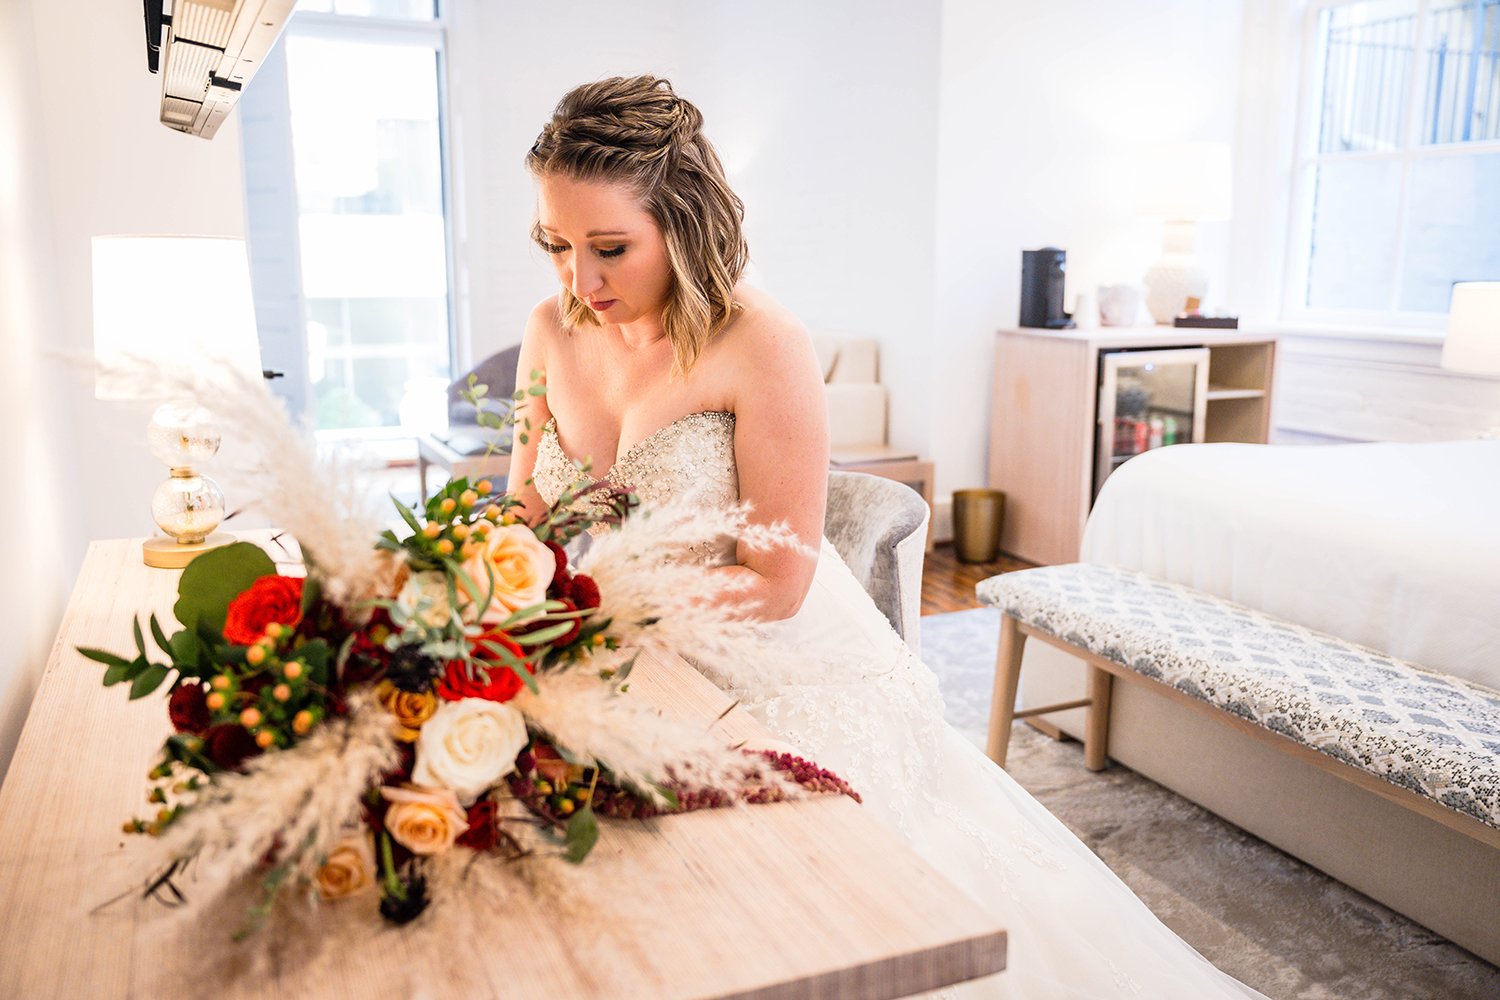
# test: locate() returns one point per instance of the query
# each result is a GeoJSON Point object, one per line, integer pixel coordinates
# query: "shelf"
{"type": "Point", "coordinates": [1226, 392]}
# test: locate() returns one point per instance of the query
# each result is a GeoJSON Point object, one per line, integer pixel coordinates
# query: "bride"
{"type": "Point", "coordinates": [667, 373]}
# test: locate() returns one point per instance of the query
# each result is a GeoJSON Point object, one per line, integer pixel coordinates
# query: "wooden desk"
{"type": "Point", "coordinates": [795, 900]}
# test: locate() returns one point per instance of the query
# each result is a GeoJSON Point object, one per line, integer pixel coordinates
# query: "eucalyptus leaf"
{"type": "Point", "coordinates": [186, 650]}
{"type": "Point", "coordinates": [543, 635]}
{"type": "Point", "coordinates": [149, 680]}
{"type": "Point", "coordinates": [159, 635]}
{"type": "Point", "coordinates": [406, 515]}
{"type": "Point", "coordinates": [214, 579]}
{"type": "Point", "coordinates": [582, 835]}
{"type": "Point", "coordinates": [102, 656]}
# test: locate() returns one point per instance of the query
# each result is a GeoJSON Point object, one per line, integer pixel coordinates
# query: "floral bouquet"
{"type": "Point", "coordinates": [455, 687]}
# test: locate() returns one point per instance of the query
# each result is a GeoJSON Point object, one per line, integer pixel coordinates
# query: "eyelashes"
{"type": "Point", "coordinates": [556, 248]}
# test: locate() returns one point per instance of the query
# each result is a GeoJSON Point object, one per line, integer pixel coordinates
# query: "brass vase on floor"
{"type": "Point", "coordinates": [977, 516]}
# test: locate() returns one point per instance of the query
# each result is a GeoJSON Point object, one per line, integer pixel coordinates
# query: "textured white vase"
{"type": "Point", "coordinates": [1176, 276]}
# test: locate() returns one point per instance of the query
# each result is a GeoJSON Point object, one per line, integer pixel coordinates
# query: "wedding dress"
{"type": "Point", "coordinates": [864, 706]}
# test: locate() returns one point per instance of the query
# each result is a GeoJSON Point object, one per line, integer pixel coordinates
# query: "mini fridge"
{"type": "Point", "coordinates": [1148, 399]}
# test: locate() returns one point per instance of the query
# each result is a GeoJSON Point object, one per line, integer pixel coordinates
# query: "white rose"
{"type": "Point", "coordinates": [468, 746]}
{"type": "Point", "coordinates": [518, 567]}
{"type": "Point", "coordinates": [424, 597]}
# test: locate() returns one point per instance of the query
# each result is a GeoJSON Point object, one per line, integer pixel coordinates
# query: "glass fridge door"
{"type": "Point", "coordinates": [1148, 399]}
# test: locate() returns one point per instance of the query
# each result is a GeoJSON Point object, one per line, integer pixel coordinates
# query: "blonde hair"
{"type": "Point", "coordinates": [637, 132]}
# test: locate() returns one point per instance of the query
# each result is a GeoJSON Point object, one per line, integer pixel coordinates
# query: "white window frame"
{"type": "Point", "coordinates": [394, 442]}
{"type": "Point", "coordinates": [1306, 158]}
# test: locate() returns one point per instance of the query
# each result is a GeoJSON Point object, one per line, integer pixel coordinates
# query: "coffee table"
{"type": "Point", "coordinates": [461, 455]}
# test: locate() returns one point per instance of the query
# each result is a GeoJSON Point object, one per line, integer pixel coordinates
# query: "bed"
{"type": "Point", "coordinates": [1394, 546]}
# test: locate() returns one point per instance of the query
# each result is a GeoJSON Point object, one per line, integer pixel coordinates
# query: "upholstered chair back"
{"type": "Point", "coordinates": [879, 528]}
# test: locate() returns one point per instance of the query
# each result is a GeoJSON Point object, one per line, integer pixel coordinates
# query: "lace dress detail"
{"type": "Point", "coordinates": [862, 704]}
{"type": "Point", "coordinates": [692, 453]}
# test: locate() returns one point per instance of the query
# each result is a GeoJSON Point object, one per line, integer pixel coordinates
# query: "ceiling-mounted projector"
{"type": "Point", "coordinates": [207, 51]}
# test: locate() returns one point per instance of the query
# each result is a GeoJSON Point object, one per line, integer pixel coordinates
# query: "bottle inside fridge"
{"type": "Point", "coordinates": [1147, 400]}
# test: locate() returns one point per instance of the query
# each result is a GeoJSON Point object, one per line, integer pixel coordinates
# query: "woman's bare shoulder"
{"type": "Point", "coordinates": [764, 332]}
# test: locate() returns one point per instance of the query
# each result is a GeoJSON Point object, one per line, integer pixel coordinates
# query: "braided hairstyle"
{"type": "Point", "coordinates": [636, 131]}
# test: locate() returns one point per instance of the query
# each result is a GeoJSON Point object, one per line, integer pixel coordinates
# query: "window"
{"type": "Point", "coordinates": [1398, 166]}
{"type": "Point", "coordinates": [346, 187]}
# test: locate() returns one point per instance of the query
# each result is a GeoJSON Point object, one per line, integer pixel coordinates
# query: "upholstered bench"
{"type": "Point", "coordinates": [1425, 740]}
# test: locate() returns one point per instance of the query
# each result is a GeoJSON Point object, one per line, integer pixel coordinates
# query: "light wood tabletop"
{"type": "Point", "coordinates": [804, 899]}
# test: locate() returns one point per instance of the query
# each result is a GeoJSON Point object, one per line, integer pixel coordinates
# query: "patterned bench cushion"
{"type": "Point", "coordinates": [1432, 733]}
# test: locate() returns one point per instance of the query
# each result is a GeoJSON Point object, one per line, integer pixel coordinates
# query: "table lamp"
{"type": "Point", "coordinates": [180, 303]}
{"type": "Point", "coordinates": [1182, 184]}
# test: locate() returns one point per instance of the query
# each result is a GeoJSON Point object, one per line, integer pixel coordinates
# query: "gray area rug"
{"type": "Point", "coordinates": [1264, 917]}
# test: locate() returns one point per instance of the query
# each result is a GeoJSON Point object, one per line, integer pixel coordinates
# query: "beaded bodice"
{"type": "Point", "coordinates": [692, 454]}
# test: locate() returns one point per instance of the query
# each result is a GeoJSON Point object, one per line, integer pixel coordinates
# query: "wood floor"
{"type": "Point", "coordinates": [948, 585]}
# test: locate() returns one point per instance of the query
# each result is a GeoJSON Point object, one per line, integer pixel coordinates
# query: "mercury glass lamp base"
{"type": "Point", "coordinates": [168, 553]}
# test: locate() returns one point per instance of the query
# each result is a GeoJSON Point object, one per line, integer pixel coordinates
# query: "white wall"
{"type": "Point", "coordinates": [824, 115]}
{"type": "Point", "coordinates": [33, 577]}
{"type": "Point", "coordinates": [83, 154]}
{"type": "Point", "coordinates": [508, 66]}
{"type": "Point", "coordinates": [1044, 109]}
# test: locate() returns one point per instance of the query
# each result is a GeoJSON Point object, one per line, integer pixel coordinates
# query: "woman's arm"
{"type": "Point", "coordinates": [781, 451]}
{"type": "Point", "coordinates": [532, 409]}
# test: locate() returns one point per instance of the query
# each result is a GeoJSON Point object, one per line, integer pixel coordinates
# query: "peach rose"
{"type": "Point", "coordinates": [423, 820]}
{"type": "Point", "coordinates": [410, 709]}
{"type": "Point", "coordinates": [350, 868]}
{"type": "Point", "coordinates": [520, 566]}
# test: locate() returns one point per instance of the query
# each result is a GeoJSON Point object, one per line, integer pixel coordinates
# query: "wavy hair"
{"type": "Point", "coordinates": [637, 132]}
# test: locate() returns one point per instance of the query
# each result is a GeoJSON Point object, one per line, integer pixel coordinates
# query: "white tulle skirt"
{"type": "Point", "coordinates": [867, 708]}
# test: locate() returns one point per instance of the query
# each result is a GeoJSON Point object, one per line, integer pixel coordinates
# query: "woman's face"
{"type": "Point", "coordinates": [607, 249]}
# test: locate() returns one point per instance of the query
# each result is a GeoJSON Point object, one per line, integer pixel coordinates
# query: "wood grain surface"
{"type": "Point", "coordinates": [794, 900]}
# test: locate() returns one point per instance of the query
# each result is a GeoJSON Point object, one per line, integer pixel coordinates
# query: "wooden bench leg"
{"type": "Point", "coordinates": [1096, 720]}
{"type": "Point", "coordinates": [1007, 678]}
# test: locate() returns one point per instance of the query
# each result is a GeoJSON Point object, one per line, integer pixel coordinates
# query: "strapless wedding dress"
{"type": "Point", "coordinates": [867, 708]}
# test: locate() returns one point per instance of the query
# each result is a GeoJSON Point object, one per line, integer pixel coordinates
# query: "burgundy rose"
{"type": "Point", "coordinates": [229, 745]}
{"type": "Point", "coordinates": [483, 831]}
{"type": "Point", "coordinates": [585, 592]}
{"type": "Point", "coordinates": [560, 575]}
{"type": "Point", "coordinates": [188, 709]}
{"type": "Point", "coordinates": [270, 599]}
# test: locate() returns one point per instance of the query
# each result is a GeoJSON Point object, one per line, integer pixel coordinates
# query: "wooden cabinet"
{"type": "Point", "coordinates": [1045, 432]}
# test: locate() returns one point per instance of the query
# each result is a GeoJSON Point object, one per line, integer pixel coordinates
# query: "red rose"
{"type": "Point", "coordinates": [503, 682]}
{"type": "Point", "coordinates": [270, 599]}
{"type": "Point", "coordinates": [483, 830]}
{"type": "Point", "coordinates": [229, 745]}
{"type": "Point", "coordinates": [585, 592]}
{"type": "Point", "coordinates": [188, 709]}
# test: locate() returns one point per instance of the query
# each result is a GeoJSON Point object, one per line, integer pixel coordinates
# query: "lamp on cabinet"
{"type": "Point", "coordinates": [1182, 184]}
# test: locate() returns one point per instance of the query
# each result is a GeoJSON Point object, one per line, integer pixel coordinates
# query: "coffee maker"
{"type": "Point", "coordinates": [1042, 273]}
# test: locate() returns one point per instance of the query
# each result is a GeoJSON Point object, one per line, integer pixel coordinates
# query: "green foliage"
{"type": "Point", "coordinates": [582, 835]}
{"type": "Point", "coordinates": [214, 579]}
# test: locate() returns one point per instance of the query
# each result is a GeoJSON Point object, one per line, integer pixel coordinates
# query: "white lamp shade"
{"type": "Point", "coordinates": [1185, 182]}
{"type": "Point", "coordinates": [177, 301]}
{"type": "Point", "coordinates": [1473, 341]}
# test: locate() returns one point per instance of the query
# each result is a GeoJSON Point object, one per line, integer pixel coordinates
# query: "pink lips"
{"type": "Point", "coordinates": [601, 306]}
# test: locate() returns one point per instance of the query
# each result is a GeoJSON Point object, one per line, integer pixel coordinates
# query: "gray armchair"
{"type": "Point", "coordinates": [879, 528]}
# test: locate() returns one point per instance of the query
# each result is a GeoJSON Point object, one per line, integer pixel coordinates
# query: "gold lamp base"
{"type": "Point", "coordinates": [168, 553]}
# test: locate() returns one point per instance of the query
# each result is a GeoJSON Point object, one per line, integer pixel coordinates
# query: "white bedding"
{"type": "Point", "coordinates": [1394, 546]}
